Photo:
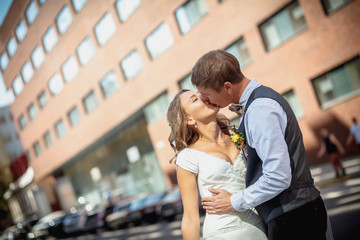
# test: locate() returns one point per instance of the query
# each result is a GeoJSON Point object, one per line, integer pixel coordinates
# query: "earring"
{"type": "Point", "coordinates": [195, 125]}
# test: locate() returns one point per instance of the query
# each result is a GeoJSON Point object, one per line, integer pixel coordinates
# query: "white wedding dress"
{"type": "Point", "coordinates": [215, 172]}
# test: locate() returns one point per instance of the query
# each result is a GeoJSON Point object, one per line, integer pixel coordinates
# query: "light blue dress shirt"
{"type": "Point", "coordinates": [265, 124]}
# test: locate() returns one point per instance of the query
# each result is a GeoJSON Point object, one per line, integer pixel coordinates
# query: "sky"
{"type": "Point", "coordinates": [5, 96]}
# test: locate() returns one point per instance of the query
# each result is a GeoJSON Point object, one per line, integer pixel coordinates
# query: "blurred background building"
{"type": "Point", "coordinates": [93, 79]}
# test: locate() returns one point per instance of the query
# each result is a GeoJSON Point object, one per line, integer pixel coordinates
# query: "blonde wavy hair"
{"type": "Point", "coordinates": [182, 135]}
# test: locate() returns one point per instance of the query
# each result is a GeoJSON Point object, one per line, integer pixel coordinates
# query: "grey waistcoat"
{"type": "Point", "coordinates": [302, 189]}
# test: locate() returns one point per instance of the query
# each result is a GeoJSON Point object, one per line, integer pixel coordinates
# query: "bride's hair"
{"type": "Point", "coordinates": [181, 134]}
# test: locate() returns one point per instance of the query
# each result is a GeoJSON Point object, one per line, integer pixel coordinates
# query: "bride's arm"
{"type": "Point", "coordinates": [190, 226]}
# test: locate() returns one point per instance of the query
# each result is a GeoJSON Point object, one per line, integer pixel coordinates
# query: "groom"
{"type": "Point", "coordinates": [278, 179]}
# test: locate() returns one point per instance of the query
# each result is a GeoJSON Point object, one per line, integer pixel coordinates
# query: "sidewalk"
{"type": "Point", "coordinates": [324, 174]}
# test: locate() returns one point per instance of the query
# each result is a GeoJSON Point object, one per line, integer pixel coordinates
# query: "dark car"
{"type": "Point", "coordinates": [136, 211]}
{"type": "Point", "coordinates": [95, 220]}
{"type": "Point", "coordinates": [9, 233]}
{"type": "Point", "coordinates": [23, 228]}
{"type": "Point", "coordinates": [170, 206]}
{"type": "Point", "coordinates": [56, 228]}
{"type": "Point", "coordinates": [150, 214]}
{"type": "Point", "coordinates": [118, 217]}
{"type": "Point", "coordinates": [41, 228]}
{"type": "Point", "coordinates": [73, 224]}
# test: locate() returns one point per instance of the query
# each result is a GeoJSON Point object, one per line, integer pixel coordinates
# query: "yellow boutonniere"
{"type": "Point", "coordinates": [237, 138]}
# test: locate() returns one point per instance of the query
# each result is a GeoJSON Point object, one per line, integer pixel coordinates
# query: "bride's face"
{"type": "Point", "coordinates": [196, 109]}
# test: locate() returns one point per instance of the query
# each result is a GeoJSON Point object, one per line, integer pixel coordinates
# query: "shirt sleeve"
{"type": "Point", "coordinates": [265, 124]}
{"type": "Point", "coordinates": [187, 161]}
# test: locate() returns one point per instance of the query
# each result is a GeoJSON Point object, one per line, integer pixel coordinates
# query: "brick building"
{"type": "Point", "coordinates": [92, 80]}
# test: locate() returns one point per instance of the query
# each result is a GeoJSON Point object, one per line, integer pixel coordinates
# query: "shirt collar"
{"type": "Point", "coordinates": [248, 90]}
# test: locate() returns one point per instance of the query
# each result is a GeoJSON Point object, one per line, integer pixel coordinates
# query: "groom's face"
{"type": "Point", "coordinates": [213, 98]}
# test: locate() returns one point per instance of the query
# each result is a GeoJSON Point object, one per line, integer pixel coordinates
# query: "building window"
{"type": "Point", "coordinates": [4, 61]}
{"type": "Point", "coordinates": [22, 121]}
{"type": "Point", "coordinates": [50, 39]}
{"type": "Point", "coordinates": [38, 57]}
{"type": "Point", "coordinates": [333, 5]}
{"type": "Point", "coordinates": [18, 85]}
{"type": "Point", "coordinates": [70, 69]}
{"type": "Point", "coordinates": [105, 29]}
{"type": "Point", "coordinates": [338, 84]}
{"type": "Point", "coordinates": [157, 108]}
{"type": "Point", "coordinates": [12, 46]}
{"type": "Point", "coordinates": [109, 84]}
{"type": "Point", "coordinates": [126, 8]}
{"type": "Point", "coordinates": [159, 41]}
{"type": "Point", "coordinates": [64, 19]}
{"type": "Point", "coordinates": [294, 103]}
{"type": "Point", "coordinates": [42, 2]}
{"type": "Point", "coordinates": [21, 30]}
{"type": "Point", "coordinates": [85, 51]}
{"type": "Point", "coordinates": [90, 102]}
{"type": "Point", "coordinates": [42, 99]}
{"type": "Point", "coordinates": [31, 12]}
{"type": "Point", "coordinates": [283, 25]}
{"type": "Point", "coordinates": [240, 51]}
{"type": "Point", "coordinates": [78, 4]}
{"type": "Point", "coordinates": [60, 128]}
{"type": "Point", "coordinates": [32, 112]}
{"type": "Point", "coordinates": [27, 72]}
{"type": "Point", "coordinates": [56, 84]}
{"type": "Point", "coordinates": [131, 65]}
{"type": "Point", "coordinates": [189, 14]}
{"type": "Point", "coordinates": [48, 140]}
{"type": "Point", "coordinates": [74, 116]}
{"type": "Point", "coordinates": [186, 83]}
{"type": "Point", "coordinates": [37, 148]}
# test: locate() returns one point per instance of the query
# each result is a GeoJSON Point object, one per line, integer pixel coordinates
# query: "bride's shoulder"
{"type": "Point", "coordinates": [187, 160]}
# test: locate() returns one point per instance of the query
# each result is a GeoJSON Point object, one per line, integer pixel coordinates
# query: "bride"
{"type": "Point", "coordinates": [206, 157]}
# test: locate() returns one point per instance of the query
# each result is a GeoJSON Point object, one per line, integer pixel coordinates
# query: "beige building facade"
{"type": "Point", "coordinates": [93, 79]}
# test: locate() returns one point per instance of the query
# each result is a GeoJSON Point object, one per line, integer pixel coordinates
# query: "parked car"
{"type": "Point", "coordinates": [136, 211]}
{"type": "Point", "coordinates": [118, 218]}
{"type": "Point", "coordinates": [170, 206]}
{"type": "Point", "coordinates": [56, 228]}
{"type": "Point", "coordinates": [24, 227]}
{"type": "Point", "coordinates": [73, 224]}
{"type": "Point", "coordinates": [150, 214]}
{"type": "Point", "coordinates": [41, 228]}
{"type": "Point", "coordinates": [9, 233]}
{"type": "Point", "coordinates": [95, 220]}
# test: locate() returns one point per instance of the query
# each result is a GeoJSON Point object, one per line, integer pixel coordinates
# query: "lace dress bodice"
{"type": "Point", "coordinates": [215, 172]}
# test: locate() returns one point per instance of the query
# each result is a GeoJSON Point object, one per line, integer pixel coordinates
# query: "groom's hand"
{"type": "Point", "coordinates": [219, 203]}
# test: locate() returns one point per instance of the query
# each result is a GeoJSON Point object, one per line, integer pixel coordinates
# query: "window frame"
{"type": "Point", "coordinates": [39, 101]}
{"type": "Point", "coordinates": [98, 29]}
{"type": "Point", "coordinates": [152, 34]}
{"type": "Point", "coordinates": [184, 6]}
{"type": "Point", "coordinates": [338, 99]}
{"type": "Point", "coordinates": [245, 63]}
{"type": "Point", "coordinates": [105, 94]}
{"type": "Point", "coordinates": [63, 31]}
{"type": "Point", "coordinates": [69, 114]}
{"type": "Point", "coordinates": [48, 136]}
{"type": "Point", "coordinates": [271, 17]}
{"type": "Point", "coordinates": [329, 12]}
{"type": "Point", "coordinates": [90, 93]}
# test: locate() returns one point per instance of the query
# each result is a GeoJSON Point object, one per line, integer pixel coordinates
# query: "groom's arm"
{"type": "Point", "coordinates": [266, 122]}
{"type": "Point", "coordinates": [265, 128]}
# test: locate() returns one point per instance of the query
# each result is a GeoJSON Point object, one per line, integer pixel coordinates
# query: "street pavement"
{"type": "Point", "coordinates": [341, 196]}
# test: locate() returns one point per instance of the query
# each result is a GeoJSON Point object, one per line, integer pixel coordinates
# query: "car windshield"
{"type": "Point", "coordinates": [172, 196]}
{"type": "Point", "coordinates": [137, 204]}
{"type": "Point", "coordinates": [154, 198]}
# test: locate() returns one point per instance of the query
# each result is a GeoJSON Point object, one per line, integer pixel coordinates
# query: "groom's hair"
{"type": "Point", "coordinates": [215, 68]}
